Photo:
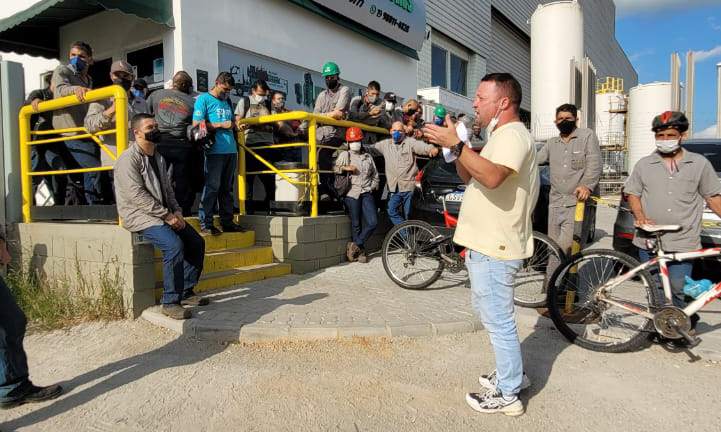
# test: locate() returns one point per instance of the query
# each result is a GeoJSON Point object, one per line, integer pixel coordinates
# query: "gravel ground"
{"type": "Point", "coordinates": [133, 376]}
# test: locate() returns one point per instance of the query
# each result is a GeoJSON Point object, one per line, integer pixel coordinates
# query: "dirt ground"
{"type": "Point", "coordinates": [132, 376]}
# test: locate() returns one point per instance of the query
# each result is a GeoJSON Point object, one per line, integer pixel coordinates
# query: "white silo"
{"type": "Point", "coordinates": [645, 102]}
{"type": "Point", "coordinates": [556, 39]}
{"type": "Point", "coordinates": [611, 119]}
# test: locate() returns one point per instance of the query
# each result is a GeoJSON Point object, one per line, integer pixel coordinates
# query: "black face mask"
{"type": "Point", "coordinates": [331, 83]}
{"type": "Point", "coordinates": [125, 84]}
{"type": "Point", "coordinates": [153, 136]}
{"type": "Point", "coordinates": [566, 127]}
{"type": "Point", "coordinates": [411, 111]}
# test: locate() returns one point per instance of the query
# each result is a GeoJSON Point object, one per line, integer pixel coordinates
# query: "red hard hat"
{"type": "Point", "coordinates": [353, 134]}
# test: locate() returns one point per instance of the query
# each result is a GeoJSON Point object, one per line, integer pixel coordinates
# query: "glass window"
{"type": "Point", "coordinates": [458, 75]}
{"type": "Point", "coordinates": [438, 67]}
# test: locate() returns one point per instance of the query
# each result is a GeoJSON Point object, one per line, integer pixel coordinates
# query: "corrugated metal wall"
{"type": "Point", "coordinates": [466, 21]}
{"type": "Point", "coordinates": [511, 52]}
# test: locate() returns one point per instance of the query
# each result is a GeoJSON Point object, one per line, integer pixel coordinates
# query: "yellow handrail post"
{"type": "Point", "coordinates": [241, 174]}
{"type": "Point", "coordinates": [313, 165]}
{"type": "Point", "coordinates": [575, 248]}
{"type": "Point", "coordinates": [25, 165]}
{"type": "Point", "coordinates": [121, 120]}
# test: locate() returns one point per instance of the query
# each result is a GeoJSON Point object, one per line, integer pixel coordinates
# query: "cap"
{"type": "Point", "coordinates": [390, 97]}
{"type": "Point", "coordinates": [121, 66]}
{"type": "Point", "coordinates": [140, 84]}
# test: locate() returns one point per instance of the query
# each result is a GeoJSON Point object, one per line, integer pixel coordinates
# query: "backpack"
{"type": "Point", "coordinates": [342, 182]}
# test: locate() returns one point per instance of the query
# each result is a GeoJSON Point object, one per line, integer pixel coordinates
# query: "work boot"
{"type": "Point", "coordinates": [194, 300]}
{"type": "Point", "coordinates": [352, 252]}
{"type": "Point", "coordinates": [362, 256]}
{"type": "Point", "coordinates": [210, 230]}
{"type": "Point", "coordinates": [233, 228]}
{"type": "Point", "coordinates": [33, 393]}
{"type": "Point", "coordinates": [175, 311]}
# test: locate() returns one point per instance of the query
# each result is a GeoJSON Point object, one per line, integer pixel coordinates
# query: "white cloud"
{"type": "Point", "coordinates": [713, 23]}
{"type": "Point", "coordinates": [705, 55]}
{"type": "Point", "coordinates": [631, 7]}
{"type": "Point", "coordinates": [709, 132]}
{"type": "Point", "coordinates": [637, 55]}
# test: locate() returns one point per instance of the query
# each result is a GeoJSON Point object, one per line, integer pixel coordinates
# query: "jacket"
{"type": "Point", "coordinates": [65, 81]}
{"type": "Point", "coordinates": [140, 193]}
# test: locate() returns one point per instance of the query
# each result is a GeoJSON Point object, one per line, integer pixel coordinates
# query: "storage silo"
{"type": "Point", "coordinates": [611, 119]}
{"type": "Point", "coordinates": [645, 102]}
{"type": "Point", "coordinates": [556, 39]}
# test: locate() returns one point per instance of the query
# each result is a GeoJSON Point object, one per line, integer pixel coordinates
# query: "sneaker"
{"type": "Point", "coordinates": [34, 394]}
{"type": "Point", "coordinates": [175, 311]}
{"type": "Point", "coordinates": [362, 256]}
{"type": "Point", "coordinates": [490, 381]}
{"type": "Point", "coordinates": [492, 401]}
{"type": "Point", "coordinates": [211, 230]}
{"type": "Point", "coordinates": [234, 228]}
{"type": "Point", "coordinates": [194, 300]}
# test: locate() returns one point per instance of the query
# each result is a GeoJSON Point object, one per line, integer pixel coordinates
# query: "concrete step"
{"type": "Point", "coordinates": [195, 222]}
{"type": "Point", "coordinates": [225, 241]}
{"type": "Point", "coordinates": [228, 278]}
{"type": "Point", "coordinates": [216, 261]}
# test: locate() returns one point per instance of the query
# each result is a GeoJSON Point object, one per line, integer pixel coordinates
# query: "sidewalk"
{"type": "Point", "coordinates": [355, 299]}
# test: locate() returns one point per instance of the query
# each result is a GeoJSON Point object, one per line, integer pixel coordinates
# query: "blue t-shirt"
{"type": "Point", "coordinates": [208, 107]}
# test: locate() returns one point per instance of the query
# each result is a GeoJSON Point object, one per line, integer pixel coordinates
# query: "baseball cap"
{"type": "Point", "coordinates": [121, 66]}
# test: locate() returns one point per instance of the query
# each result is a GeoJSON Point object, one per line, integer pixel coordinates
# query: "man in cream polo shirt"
{"type": "Point", "coordinates": [495, 225]}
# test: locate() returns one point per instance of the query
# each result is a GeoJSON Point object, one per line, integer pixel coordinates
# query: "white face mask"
{"type": "Point", "coordinates": [492, 124]}
{"type": "Point", "coordinates": [667, 146]}
{"type": "Point", "coordinates": [389, 106]}
{"type": "Point", "coordinates": [259, 99]}
{"type": "Point", "coordinates": [355, 146]}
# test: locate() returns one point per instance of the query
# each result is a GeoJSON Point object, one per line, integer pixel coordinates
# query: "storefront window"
{"type": "Point", "coordinates": [149, 63]}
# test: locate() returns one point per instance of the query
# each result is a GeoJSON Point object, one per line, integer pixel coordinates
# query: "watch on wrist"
{"type": "Point", "coordinates": [458, 148]}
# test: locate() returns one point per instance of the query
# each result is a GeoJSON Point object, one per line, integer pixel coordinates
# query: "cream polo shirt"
{"type": "Point", "coordinates": [497, 222]}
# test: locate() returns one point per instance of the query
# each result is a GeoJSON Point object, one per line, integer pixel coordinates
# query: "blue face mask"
{"type": "Point", "coordinates": [438, 121]}
{"type": "Point", "coordinates": [137, 93]}
{"type": "Point", "coordinates": [78, 63]}
{"type": "Point", "coordinates": [397, 136]}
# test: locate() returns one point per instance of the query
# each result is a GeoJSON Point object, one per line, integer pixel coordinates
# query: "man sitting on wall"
{"type": "Point", "coordinates": [147, 205]}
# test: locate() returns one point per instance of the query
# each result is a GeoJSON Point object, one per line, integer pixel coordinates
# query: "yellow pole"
{"type": "Point", "coordinates": [25, 165]}
{"type": "Point", "coordinates": [121, 119]}
{"type": "Point", "coordinates": [313, 166]}
{"type": "Point", "coordinates": [241, 174]}
{"type": "Point", "coordinates": [575, 248]}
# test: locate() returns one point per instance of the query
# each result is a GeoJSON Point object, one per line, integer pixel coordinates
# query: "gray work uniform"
{"type": "Point", "coordinates": [572, 164]}
{"type": "Point", "coordinates": [328, 101]}
{"type": "Point", "coordinates": [400, 161]}
{"type": "Point", "coordinates": [674, 198]}
{"type": "Point", "coordinates": [365, 179]}
{"type": "Point", "coordinates": [65, 81]}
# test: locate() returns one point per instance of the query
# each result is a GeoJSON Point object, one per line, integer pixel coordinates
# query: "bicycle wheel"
{"type": "Point", "coordinates": [577, 302]}
{"type": "Point", "coordinates": [410, 258]}
{"type": "Point", "coordinates": [530, 288]}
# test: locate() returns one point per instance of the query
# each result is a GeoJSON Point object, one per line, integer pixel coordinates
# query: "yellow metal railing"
{"type": "Point", "coordinates": [609, 85]}
{"type": "Point", "coordinates": [312, 170]}
{"type": "Point", "coordinates": [121, 136]}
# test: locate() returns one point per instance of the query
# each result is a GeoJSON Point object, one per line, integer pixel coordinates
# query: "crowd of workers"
{"type": "Point", "coordinates": [667, 187]}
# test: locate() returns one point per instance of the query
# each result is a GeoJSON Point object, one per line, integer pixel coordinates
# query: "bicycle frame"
{"type": "Point", "coordinates": [661, 260]}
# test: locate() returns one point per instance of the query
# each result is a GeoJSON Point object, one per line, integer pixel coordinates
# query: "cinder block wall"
{"type": "Point", "coordinates": [63, 250]}
{"type": "Point", "coordinates": [309, 243]}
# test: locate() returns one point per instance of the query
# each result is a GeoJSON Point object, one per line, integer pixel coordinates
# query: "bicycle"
{"type": "Point", "coordinates": [415, 254]}
{"type": "Point", "coordinates": [607, 301]}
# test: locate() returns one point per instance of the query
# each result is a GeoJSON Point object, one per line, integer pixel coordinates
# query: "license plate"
{"type": "Point", "coordinates": [454, 197]}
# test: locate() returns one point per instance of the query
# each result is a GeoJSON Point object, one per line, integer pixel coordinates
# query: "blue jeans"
{"type": "Point", "coordinates": [394, 201]}
{"type": "Point", "coordinates": [219, 178]}
{"type": "Point", "coordinates": [492, 283]}
{"type": "Point", "coordinates": [87, 154]}
{"type": "Point", "coordinates": [183, 255]}
{"type": "Point", "coordinates": [365, 205]}
{"type": "Point", "coordinates": [676, 275]}
{"type": "Point", "coordinates": [13, 361]}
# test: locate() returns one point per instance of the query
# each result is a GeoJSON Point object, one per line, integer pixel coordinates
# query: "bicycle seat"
{"type": "Point", "coordinates": [660, 228]}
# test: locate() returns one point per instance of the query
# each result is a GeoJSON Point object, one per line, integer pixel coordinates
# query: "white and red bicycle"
{"type": "Point", "coordinates": [607, 301]}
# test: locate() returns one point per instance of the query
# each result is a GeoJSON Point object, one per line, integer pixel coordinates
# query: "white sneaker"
{"type": "Point", "coordinates": [490, 381]}
{"type": "Point", "coordinates": [492, 401]}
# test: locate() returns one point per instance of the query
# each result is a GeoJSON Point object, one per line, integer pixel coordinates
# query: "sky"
{"type": "Point", "coordinates": [650, 30]}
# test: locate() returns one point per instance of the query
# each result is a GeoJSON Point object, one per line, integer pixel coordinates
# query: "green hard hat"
{"type": "Point", "coordinates": [440, 112]}
{"type": "Point", "coordinates": [330, 68]}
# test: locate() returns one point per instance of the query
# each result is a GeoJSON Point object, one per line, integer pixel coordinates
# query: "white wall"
{"type": "Point", "coordinates": [282, 30]}
{"type": "Point", "coordinates": [113, 34]}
